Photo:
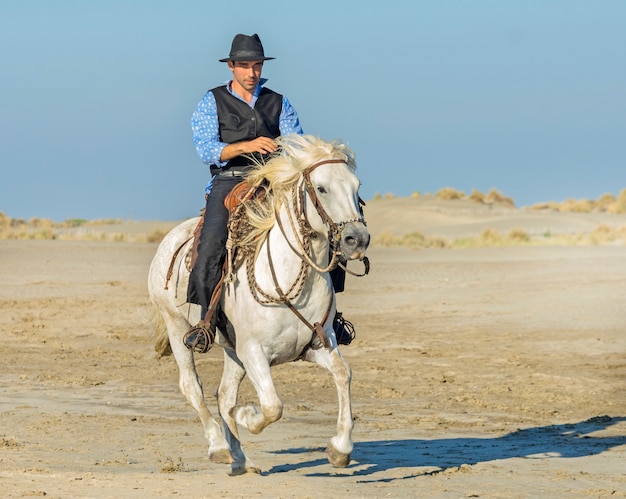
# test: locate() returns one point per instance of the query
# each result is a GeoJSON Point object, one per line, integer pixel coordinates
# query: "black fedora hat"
{"type": "Point", "coordinates": [246, 48]}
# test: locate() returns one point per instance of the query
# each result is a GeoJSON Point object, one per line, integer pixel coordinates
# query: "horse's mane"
{"type": "Point", "coordinates": [280, 174]}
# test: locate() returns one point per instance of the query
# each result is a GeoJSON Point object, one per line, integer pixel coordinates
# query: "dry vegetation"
{"type": "Point", "coordinates": [607, 203]}
{"type": "Point", "coordinates": [450, 194]}
{"type": "Point", "coordinates": [602, 235]}
{"type": "Point", "coordinates": [75, 229]}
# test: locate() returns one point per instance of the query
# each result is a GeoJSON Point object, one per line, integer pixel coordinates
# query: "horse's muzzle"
{"type": "Point", "coordinates": [355, 238]}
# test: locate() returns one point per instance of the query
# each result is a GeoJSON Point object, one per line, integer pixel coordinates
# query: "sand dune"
{"type": "Point", "coordinates": [429, 216]}
{"type": "Point", "coordinates": [461, 218]}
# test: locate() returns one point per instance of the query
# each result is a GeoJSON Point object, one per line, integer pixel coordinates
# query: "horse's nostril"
{"type": "Point", "coordinates": [354, 240]}
{"type": "Point", "coordinates": [350, 241]}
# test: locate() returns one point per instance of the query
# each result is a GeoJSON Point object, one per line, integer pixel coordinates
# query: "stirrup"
{"type": "Point", "coordinates": [344, 330]}
{"type": "Point", "coordinates": [200, 338]}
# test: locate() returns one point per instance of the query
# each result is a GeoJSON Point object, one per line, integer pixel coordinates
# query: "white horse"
{"type": "Point", "coordinates": [278, 305]}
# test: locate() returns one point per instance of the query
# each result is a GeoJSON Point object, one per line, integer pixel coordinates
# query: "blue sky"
{"type": "Point", "coordinates": [528, 97]}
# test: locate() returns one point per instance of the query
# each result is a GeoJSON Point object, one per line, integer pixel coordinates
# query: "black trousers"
{"type": "Point", "coordinates": [207, 270]}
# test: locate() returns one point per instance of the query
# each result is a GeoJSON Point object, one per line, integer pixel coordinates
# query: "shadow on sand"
{"type": "Point", "coordinates": [544, 442]}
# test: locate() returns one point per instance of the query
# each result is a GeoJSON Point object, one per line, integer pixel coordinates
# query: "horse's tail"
{"type": "Point", "coordinates": [159, 334]}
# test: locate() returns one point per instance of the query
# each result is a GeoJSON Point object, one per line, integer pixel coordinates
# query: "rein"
{"type": "Point", "coordinates": [315, 328]}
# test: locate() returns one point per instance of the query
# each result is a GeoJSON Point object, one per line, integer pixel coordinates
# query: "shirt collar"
{"type": "Point", "coordinates": [255, 95]}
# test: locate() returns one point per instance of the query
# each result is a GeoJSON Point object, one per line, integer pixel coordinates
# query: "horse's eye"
{"type": "Point", "coordinates": [321, 190]}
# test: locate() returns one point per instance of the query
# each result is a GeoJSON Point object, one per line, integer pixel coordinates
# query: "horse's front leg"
{"type": "Point", "coordinates": [227, 394]}
{"type": "Point", "coordinates": [340, 447]}
{"type": "Point", "coordinates": [258, 369]}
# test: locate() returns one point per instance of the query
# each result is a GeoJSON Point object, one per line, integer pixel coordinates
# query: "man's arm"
{"type": "Point", "coordinates": [205, 128]}
{"type": "Point", "coordinates": [263, 145]}
{"type": "Point", "coordinates": [288, 120]}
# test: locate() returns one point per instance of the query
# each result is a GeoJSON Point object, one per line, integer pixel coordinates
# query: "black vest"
{"type": "Point", "coordinates": [238, 121]}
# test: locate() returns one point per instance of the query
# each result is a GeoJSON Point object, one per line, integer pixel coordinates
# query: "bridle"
{"type": "Point", "coordinates": [335, 229]}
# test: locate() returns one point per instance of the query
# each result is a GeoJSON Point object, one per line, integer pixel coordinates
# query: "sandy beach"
{"type": "Point", "coordinates": [494, 372]}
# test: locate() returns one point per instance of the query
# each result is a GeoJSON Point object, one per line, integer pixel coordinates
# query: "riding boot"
{"type": "Point", "coordinates": [344, 330]}
{"type": "Point", "coordinates": [201, 337]}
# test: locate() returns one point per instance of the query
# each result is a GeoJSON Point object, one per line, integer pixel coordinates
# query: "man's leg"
{"type": "Point", "coordinates": [207, 270]}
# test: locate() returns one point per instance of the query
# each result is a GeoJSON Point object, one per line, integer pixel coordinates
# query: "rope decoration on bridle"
{"type": "Point", "coordinates": [301, 228]}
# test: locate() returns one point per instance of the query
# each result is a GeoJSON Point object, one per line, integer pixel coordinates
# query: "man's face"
{"type": "Point", "coordinates": [246, 73]}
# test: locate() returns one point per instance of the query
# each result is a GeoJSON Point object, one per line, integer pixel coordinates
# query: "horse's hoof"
{"type": "Point", "coordinates": [241, 470]}
{"type": "Point", "coordinates": [222, 456]}
{"type": "Point", "coordinates": [336, 458]}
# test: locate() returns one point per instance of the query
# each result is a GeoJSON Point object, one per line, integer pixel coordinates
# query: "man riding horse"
{"type": "Point", "coordinates": [231, 125]}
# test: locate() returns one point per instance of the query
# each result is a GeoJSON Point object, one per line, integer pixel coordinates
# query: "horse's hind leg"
{"type": "Point", "coordinates": [191, 387]}
{"type": "Point", "coordinates": [340, 447]}
{"type": "Point", "coordinates": [227, 394]}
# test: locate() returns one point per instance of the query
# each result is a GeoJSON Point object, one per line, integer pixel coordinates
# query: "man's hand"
{"type": "Point", "coordinates": [263, 145]}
